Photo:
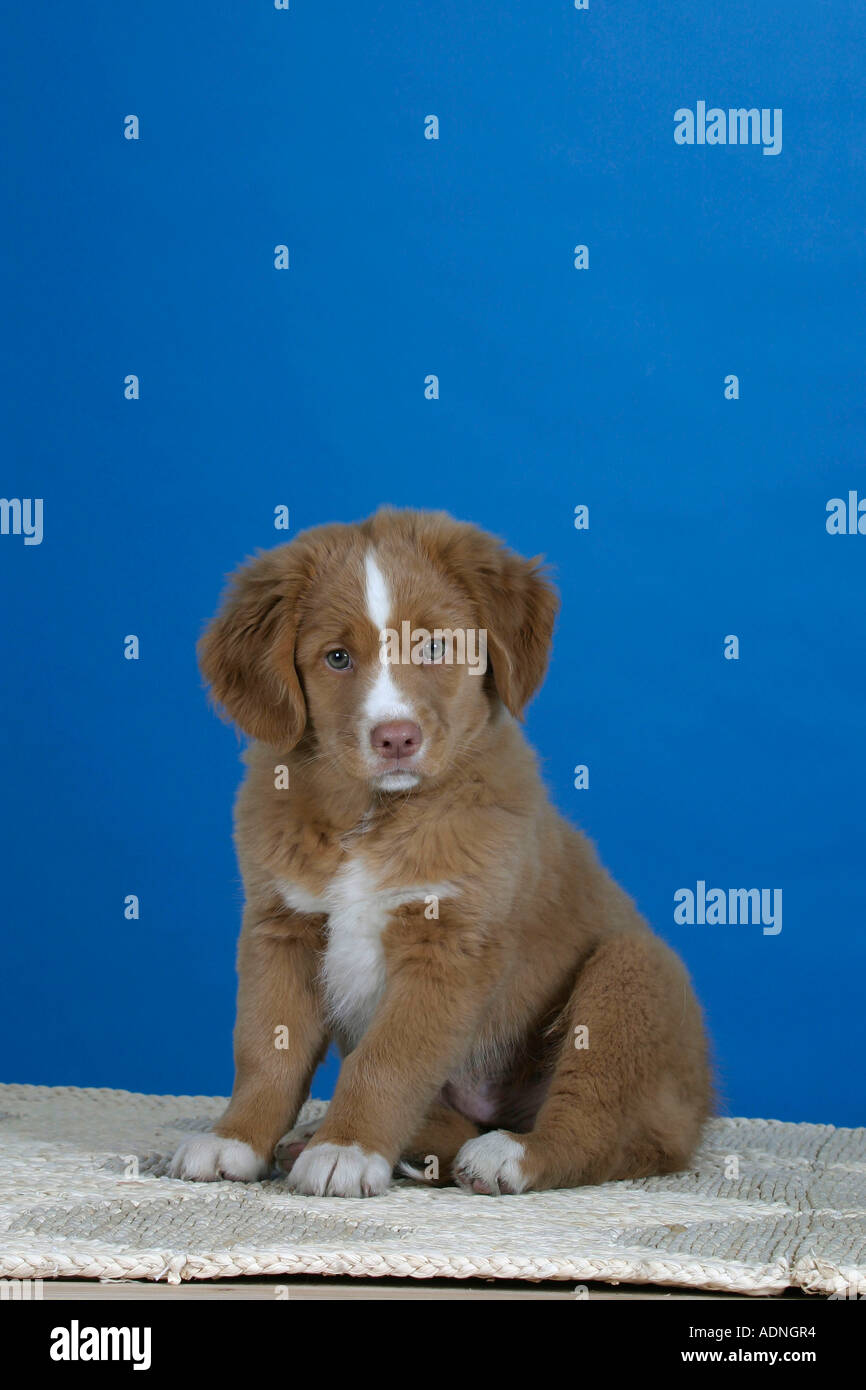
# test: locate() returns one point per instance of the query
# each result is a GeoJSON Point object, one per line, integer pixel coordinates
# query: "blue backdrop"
{"type": "Point", "coordinates": [607, 387]}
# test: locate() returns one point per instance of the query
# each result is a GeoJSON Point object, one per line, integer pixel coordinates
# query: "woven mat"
{"type": "Point", "coordinates": [83, 1194]}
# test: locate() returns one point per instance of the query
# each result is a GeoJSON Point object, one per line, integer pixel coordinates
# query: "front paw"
{"type": "Point", "coordinates": [211, 1158]}
{"type": "Point", "coordinates": [339, 1170]}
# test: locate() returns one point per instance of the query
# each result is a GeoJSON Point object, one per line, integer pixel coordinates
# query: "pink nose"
{"type": "Point", "coordinates": [398, 740]}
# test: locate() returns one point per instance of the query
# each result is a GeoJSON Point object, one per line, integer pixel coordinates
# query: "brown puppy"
{"type": "Point", "coordinates": [504, 1013]}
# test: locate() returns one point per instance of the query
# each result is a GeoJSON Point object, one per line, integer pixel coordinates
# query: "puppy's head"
{"type": "Point", "coordinates": [387, 646]}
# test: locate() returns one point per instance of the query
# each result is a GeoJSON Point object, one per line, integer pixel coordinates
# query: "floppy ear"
{"type": "Point", "coordinates": [517, 605]}
{"type": "Point", "coordinates": [247, 654]}
{"type": "Point", "coordinates": [520, 612]}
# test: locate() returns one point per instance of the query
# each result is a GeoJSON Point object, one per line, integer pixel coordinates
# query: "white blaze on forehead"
{"type": "Point", "coordinates": [384, 700]}
{"type": "Point", "coordinates": [378, 593]}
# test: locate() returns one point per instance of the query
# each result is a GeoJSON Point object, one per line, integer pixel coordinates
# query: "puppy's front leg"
{"type": "Point", "coordinates": [440, 975]}
{"type": "Point", "coordinates": [279, 1039]}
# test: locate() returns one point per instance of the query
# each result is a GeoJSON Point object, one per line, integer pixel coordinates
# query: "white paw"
{"type": "Point", "coordinates": [491, 1164]}
{"type": "Point", "coordinates": [294, 1142]}
{"type": "Point", "coordinates": [209, 1158]}
{"type": "Point", "coordinates": [339, 1170]}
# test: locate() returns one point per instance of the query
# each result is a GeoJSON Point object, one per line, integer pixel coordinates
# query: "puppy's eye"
{"type": "Point", "coordinates": [434, 651]}
{"type": "Point", "coordinates": [339, 659]}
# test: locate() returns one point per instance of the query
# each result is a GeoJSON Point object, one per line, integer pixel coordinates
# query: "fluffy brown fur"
{"type": "Point", "coordinates": [460, 1056]}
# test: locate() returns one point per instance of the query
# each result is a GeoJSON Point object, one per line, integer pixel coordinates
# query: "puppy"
{"type": "Point", "coordinates": [506, 1018]}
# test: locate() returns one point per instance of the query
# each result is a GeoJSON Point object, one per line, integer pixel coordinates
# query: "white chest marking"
{"type": "Point", "coordinates": [353, 971]}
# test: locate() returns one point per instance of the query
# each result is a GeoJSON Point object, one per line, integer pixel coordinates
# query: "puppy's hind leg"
{"type": "Point", "coordinates": [293, 1144]}
{"type": "Point", "coordinates": [628, 1095]}
{"type": "Point", "coordinates": [433, 1149]}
